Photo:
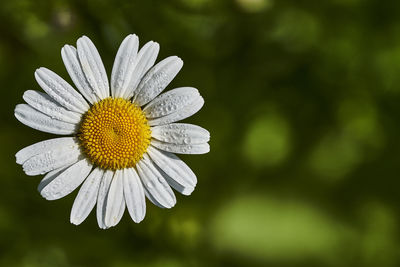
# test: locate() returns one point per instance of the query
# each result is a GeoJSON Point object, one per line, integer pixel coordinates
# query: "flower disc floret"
{"type": "Point", "coordinates": [114, 133]}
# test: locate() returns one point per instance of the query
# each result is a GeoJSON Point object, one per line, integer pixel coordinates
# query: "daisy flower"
{"type": "Point", "coordinates": [120, 137]}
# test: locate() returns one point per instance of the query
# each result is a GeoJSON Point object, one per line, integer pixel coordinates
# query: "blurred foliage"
{"type": "Point", "coordinates": [302, 102]}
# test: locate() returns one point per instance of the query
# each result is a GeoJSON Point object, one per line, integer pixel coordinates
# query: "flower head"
{"type": "Point", "coordinates": [121, 136]}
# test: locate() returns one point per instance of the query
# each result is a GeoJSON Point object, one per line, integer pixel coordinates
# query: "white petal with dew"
{"type": "Point", "coordinates": [124, 65]}
{"type": "Point", "coordinates": [182, 149]}
{"type": "Point", "coordinates": [178, 187]}
{"type": "Point", "coordinates": [115, 200]}
{"type": "Point", "coordinates": [134, 195]}
{"type": "Point", "coordinates": [170, 102]}
{"type": "Point", "coordinates": [157, 79]}
{"type": "Point", "coordinates": [52, 159]}
{"type": "Point", "coordinates": [86, 198]}
{"type": "Point", "coordinates": [75, 71]}
{"type": "Point", "coordinates": [45, 104]}
{"type": "Point", "coordinates": [50, 176]}
{"type": "Point", "coordinates": [180, 134]}
{"type": "Point", "coordinates": [143, 62]}
{"type": "Point", "coordinates": [58, 89]}
{"type": "Point", "coordinates": [155, 184]}
{"type": "Point", "coordinates": [152, 199]}
{"type": "Point", "coordinates": [178, 114]}
{"type": "Point", "coordinates": [67, 181]}
{"type": "Point", "coordinates": [93, 67]}
{"type": "Point", "coordinates": [102, 198]}
{"type": "Point", "coordinates": [42, 122]}
{"type": "Point", "coordinates": [173, 166]}
{"type": "Point", "coordinates": [44, 146]}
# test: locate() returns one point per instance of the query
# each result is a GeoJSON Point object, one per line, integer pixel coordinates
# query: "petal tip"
{"type": "Point", "coordinates": [81, 39]}
{"type": "Point", "coordinates": [138, 219]}
{"type": "Point", "coordinates": [75, 221]}
{"type": "Point", "coordinates": [178, 59]}
{"type": "Point", "coordinates": [155, 44]}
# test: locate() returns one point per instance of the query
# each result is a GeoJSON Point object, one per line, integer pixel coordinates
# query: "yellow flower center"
{"type": "Point", "coordinates": [114, 133]}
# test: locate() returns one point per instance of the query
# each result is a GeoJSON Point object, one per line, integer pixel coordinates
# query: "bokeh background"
{"type": "Point", "coordinates": [303, 106]}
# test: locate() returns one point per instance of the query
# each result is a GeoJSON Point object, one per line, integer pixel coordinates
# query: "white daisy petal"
{"type": "Point", "coordinates": [173, 166]}
{"type": "Point", "coordinates": [180, 134]}
{"type": "Point", "coordinates": [170, 102]}
{"type": "Point", "coordinates": [157, 79]}
{"type": "Point", "coordinates": [74, 68]}
{"type": "Point", "coordinates": [185, 112]}
{"type": "Point", "coordinates": [60, 90]}
{"type": "Point", "coordinates": [134, 195]}
{"type": "Point", "coordinates": [102, 198]}
{"type": "Point", "coordinates": [153, 200]}
{"type": "Point", "coordinates": [67, 181]}
{"type": "Point", "coordinates": [176, 182]}
{"type": "Point", "coordinates": [39, 121]}
{"type": "Point", "coordinates": [52, 159]}
{"type": "Point", "coordinates": [155, 184]}
{"type": "Point", "coordinates": [115, 200]}
{"type": "Point", "coordinates": [187, 191]}
{"type": "Point", "coordinates": [124, 65]}
{"type": "Point", "coordinates": [50, 176]}
{"type": "Point", "coordinates": [48, 106]}
{"type": "Point", "coordinates": [174, 105]}
{"type": "Point", "coordinates": [182, 149]}
{"type": "Point", "coordinates": [143, 62]}
{"type": "Point", "coordinates": [42, 147]}
{"type": "Point", "coordinates": [93, 67]}
{"type": "Point", "coordinates": [86, 198]}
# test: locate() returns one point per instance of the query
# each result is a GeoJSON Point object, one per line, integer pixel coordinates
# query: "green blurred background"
{"type": "Point", "coordinates": [302, 102]}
